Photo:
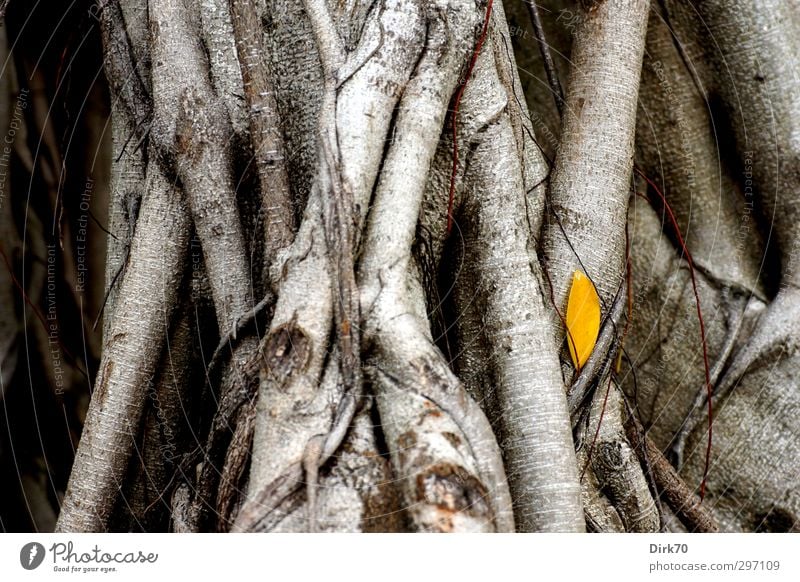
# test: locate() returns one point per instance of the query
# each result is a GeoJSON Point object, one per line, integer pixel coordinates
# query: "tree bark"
{"type": "Point", "coordinates": [341, 243]}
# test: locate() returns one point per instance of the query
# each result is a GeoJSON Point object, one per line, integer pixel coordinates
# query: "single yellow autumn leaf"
{"type": "Point", "coordinates": [583, 319]}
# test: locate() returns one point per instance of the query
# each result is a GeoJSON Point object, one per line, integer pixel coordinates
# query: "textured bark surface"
{"type": "Point", "coordinates": [131, 356]}
{"type": "Point", "coordinates": [340, 238]}
{"type": "Point", "coordinates": [524, 378]}
{"type": "Point", "coordinates": [590, 184]}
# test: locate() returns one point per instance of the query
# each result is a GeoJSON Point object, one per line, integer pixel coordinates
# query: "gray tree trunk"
{"type": "Point", "coordinates": [345, 240]}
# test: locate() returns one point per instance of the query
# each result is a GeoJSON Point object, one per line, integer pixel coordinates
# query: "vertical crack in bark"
{"type": "Point", "coordinates": [523, 356]}
{"type": "Point", "coordinates": [145, 498]}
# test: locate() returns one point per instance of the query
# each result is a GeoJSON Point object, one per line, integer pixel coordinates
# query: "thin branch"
{"type": "Point", "coordinates": [547, 57]}
{"type": "Point", "coordinates": [601, 359]}
{"type": "Point", "coordinates": [232, 337]}
{"type": "Point", "coordinates": [679, 496]}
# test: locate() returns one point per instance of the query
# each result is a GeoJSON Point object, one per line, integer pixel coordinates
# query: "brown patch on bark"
{"type": "Point", "coordinates": [452, 489]}
{"type": "Point", "coordinates": [286, 353]}
{"type": "Point", "coordinates": [190, 134]}
{"type": "Point", "coordinates": [382, 511]}
{"type": "Point", "coordinates": [183, 139]}
{"type": "Point", "coordinates": [453, 438]}
{"type": "Point", "coordinates": [579, 106]}
{"type": "Point", "coordinates": [430, 410]}
{"type": "Point", "coordinates": [101, 390]}
{"type": "Point", "coordinates": [407, 440]}
{"type": "Point", "coordinates": [590, 5]}
{"type": "Point", "coordinates": [433, 378]}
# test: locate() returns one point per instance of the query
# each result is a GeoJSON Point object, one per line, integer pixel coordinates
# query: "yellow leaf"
{"type": "Point", "coordinates": [583, 319]}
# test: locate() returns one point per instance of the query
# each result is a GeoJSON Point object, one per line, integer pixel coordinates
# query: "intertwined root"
{"type": "Point", "coordinates": [352, 413]}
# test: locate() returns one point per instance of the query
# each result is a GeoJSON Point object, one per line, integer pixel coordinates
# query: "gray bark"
{"type": "Point", "coordinates": [350, 356]}
{"type": "Point", "coordinates": [523, 377]}
{"type": "Point", "coordinates": [130, 358]}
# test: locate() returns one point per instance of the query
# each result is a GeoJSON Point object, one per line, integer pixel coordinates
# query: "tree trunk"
{"type": "Point", "coordinates": [338, 289]}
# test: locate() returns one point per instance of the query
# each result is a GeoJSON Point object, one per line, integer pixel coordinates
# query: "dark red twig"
{"type": "Point", "coordinates": [690, 262]}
